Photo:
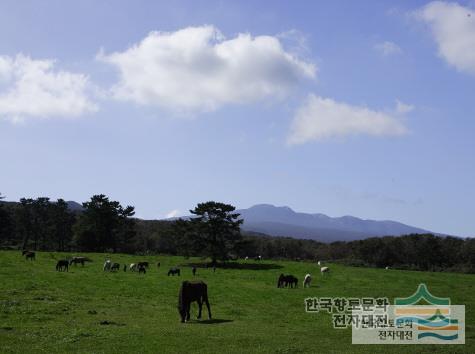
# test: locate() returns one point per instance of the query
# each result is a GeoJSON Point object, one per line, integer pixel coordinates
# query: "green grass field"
{"type": "Point", "coordinates": [47, 311]}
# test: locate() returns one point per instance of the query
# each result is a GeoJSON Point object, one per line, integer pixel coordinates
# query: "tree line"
{"type": "Point", "coordinates": [214, 231]}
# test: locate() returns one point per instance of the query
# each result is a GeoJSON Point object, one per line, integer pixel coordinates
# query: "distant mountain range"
{"type": "Point", "coordinates": [283, 221]}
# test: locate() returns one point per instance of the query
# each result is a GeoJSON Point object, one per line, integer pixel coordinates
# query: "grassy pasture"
{"type": "Point", "coordinates": [42, 310]}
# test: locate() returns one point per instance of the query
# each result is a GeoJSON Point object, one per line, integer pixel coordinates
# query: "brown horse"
{"type": "Point", "coordinates": [29, 255]}
{"type": "Point", "coordinates": [62, 265]}
{"type": "Point", "coordinates": [190, 292]}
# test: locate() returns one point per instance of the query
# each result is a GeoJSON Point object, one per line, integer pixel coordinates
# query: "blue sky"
{"type": "Point", "coordinates": [345, 108]}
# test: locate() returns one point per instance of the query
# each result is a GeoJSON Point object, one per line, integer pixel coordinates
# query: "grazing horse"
{"type": "Point", "coordinates": [133, 267]}
{"type": "Point", "coordinates": [107, 265]}
{"type": "Point", "coordinates": [29, 255]}
{"type": "Point", "coordinates": [291, 281]}
{"type": "Point", "coordinates": [174, 271]}
{"type": "Point", "coordinates": [190, 292]}
{"type": "Point", "coordinates": [77, 260]}
{"type": "Point", "coordinates": [62, 265]}
{"type": "Point", "coordinates": [142, 269]}
{"type": "Point", "coordinates": [324, 270]}
{"type": "Point", "coordinates": [287, 280]}
{"type": "Point", "coordinates": [307, 280]}
{"type": "Point", "coordinates": [115, 266]}
{"type": "Point", "coordinates": [144, 264]}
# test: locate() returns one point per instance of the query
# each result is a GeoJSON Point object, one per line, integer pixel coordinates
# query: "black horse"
{"type": "Point", "coordinates": [291, 281]}
{"type": "Point", "coordinates": [62, 265]}
{"type": "Point", "coordinates": [287, 280]}
{"type": "Point", "coordinates": [29, 255]}
{"type": "Point", "coordinates": [174, 271]}
{"type": "Point", "coordinates": [190, 292]}
{"type": "Point", "coordinates": [115, 266]}
{"type": "Point", "coordinates": [193, 270]}
{"type": "Point", "coordinates": [143, 264]}
{"type": "Point", "coordinates": [142, 269]}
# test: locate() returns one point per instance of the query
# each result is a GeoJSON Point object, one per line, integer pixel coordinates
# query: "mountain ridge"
{"type": "Point", "coordinates": [284, 221]}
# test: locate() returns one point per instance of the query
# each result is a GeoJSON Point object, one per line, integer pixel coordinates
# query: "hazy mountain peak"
{"type": "Point", "coordinates": [283, 221]}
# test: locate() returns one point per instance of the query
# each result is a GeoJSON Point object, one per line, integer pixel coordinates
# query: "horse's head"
{"type": "Point", "coordinates": [182, 301]}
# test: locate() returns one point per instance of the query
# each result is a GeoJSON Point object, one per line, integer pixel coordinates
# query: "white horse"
{"type": "Point", "coordinates": [133, 267]}
{"type": "Point", "coordinates": [387, 267]}
{"type": "Point", "coordinates": [107, 265]}
{"type": "Point", "coordinates": [246, 258]}
{"type": "Point", "coordinates": [307, 280]}
{"type": "Point", "coordinates": [319, 263]}
{"type": "Point", "coordinates": [324, 270]}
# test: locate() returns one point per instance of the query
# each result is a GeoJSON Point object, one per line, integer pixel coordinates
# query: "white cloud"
{"type": "Point", "coordinates": [173, 213]}
{"type": "Point", "coordinates": [31, 88]}
{"type": "Point", "coordinates": [453, 29]}
{"type": "Point", "coordinates": [197, 69]}
{"type": "Point", "coordinates": [323, 118]}
{"type": "Point", "coordinates": [403, 108]}
{"type": "Point", "coordinates": [387, 48]}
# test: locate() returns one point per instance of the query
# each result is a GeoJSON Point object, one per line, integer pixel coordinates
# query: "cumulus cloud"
{"type": "Point", "coordinates": [323, 118]}
{"type": "Point", "coordinates": [32, 88]}
{"type": "Point", "coordinates": [453, 29]}
{"type": "Point", "coordinates": [387, 48]}
{"type": "Point", "coordinates": [198, 69]}
{"type": "Point", "coordinates": [173, 213]}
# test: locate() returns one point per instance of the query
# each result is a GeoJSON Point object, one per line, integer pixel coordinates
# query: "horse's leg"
{"type": "Point", "coordinates": [200, 306]}
{"type": "Point", "coordinates": [207, 305]}
{"type": "Point", "coordinates": [188, 305]}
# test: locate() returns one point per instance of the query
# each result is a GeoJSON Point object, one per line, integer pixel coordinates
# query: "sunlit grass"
{"type": "Point", "coordinates": [42, 310]}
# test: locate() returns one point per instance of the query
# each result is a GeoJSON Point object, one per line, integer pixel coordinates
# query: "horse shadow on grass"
{"type": "Point", "coordinates": [236, 265]}
{"type": "Point", "coordinates": [212, 321]}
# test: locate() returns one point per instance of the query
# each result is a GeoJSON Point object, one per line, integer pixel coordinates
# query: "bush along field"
{"type": "Point", "coordinates": [87, 310]}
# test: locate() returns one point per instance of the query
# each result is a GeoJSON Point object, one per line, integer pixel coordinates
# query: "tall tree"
{"type": "Point", "coordinates": [6, 223]}
{"type": "Point", "coordinates": [217, 229]}
{"type": "Point", "coordinates": [62, 221]}
{"type": "Point", "coordinates": [42, 223]}
{"type": "Point", "coordinates": [24, 220]}
{"type": "Point", "coordinates": [104, 225]}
